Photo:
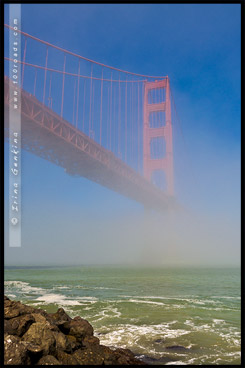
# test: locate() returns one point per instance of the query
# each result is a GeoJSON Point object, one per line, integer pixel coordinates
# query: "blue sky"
{"type": "Point", "coordinates": [198, 47]}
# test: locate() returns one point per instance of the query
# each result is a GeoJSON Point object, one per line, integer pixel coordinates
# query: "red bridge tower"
{"type": "Point", "coordinates": [155, 106]}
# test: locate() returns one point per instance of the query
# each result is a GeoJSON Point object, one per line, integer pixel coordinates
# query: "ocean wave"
{"type": "Point", "coordinates": [219, 327]}
{"type": "Point", "coordinates": [178, 362]}
{"type": "Point", "coordinates": [128, 335]}
{"type": "Point", "coordinates": [11, 296]}
{"type": "Point", "coordinates": [62, 300]}
{"type": "Point", "coordinates": [94, 287]}
{"type": "Point", "coordinates": [226, 297]}
{"type": "Point", "coordinates": [107, 312]}
{"type": "Point", "coordinates": [23, 287]}
{"type": "Point", "coordinates": [181, 299]}
{"type": "Point", "coordinates": [145, 302]}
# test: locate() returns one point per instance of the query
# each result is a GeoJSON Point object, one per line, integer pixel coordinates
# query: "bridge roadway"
{"type": "Point", "coordinates": [48, 135]}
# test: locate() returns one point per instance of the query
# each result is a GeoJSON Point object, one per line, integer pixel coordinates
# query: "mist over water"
{"type": "Point", "coordinates": [146, 238]}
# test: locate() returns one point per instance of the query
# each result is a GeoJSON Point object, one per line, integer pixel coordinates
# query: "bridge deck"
{"type": "Point", "coordinates": [49, 136]}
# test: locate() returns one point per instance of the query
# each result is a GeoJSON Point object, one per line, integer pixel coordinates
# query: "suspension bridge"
{"type": "Point", "coordinates": [109, 125]}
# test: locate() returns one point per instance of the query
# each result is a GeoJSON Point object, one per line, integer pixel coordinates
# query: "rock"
{"type": "Point", "coordinates": [62, 342]}
{"type": "Point", "coordinates": [177, 347]}
{"type": "Point", "coordinates": [14, 309]}
{"type": "Point", "coordinates": [35, 337]}
{"type": "Point", "coordinates": [35, 349]}
{"type": "Point", "coordinates": [159, 341]}
{"type": "Point", "coordinates": [123, 357]}
{"type": "Point", "coordinates": [15, 351]}
{"type": "Point", "coordinates": [35, 352]}
{"type": "Point", "coordinates": [10, 311]}
{"type": "Point", "coordinates": [74, 343]}
{"type": "Point", "coordinates": [66, 359]}
{"type": "Point", "coordinates": [78, 327]}
{"type": "Point", "coordinates": [19, 325]}
{"type": "Point", "coordinates": [48, 360]}
{"type": "Point", "coordinates": [148, 360]}
{"type": "Point", "coordinates": [90, 340]}
{"type": "Point", "coordinates": [38, 317]}
{"type": "Point", "coordinates": [8, 327]}
{"type": "Point", "coordinates": [90, 356]}
{"type": "Point", "coordinates": [102, 355]}
{"type": "Point", "coordinates": [60, 316]}
{"type": "Point", "coordinates": [40, 334]}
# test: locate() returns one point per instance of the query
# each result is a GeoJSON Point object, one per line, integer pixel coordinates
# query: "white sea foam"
{"type": "Point", "coordinates": [62, 300]}
{"type": "Point", "coordinates": [94, 287]}
{"type": "Point", "coordinates": [144, 301]}
{"type": "Point", "coordinates": [218, 321]}
{"type": "Point", "coordinates": [23, 287]}
{"type": "Point", "coordinates": [11, 295]}
{"type": "Point", "coordinates": [126, 335]}
{"type": "Point", "coordinates": [179, 362]}
{"type": "Point", "coordinates": [59, 299]}
{"type": "Point", "coordinates": [226, 297]}
{"type": "Point", "coordinates": [168, 300]}
{"type": "Point", "coordinates": [107, 312]}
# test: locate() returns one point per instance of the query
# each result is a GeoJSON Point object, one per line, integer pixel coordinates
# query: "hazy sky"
{"type": "Point", "coordinates": [72, 220]}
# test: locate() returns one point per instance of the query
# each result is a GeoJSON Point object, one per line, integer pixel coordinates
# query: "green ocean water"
{"type": "Point", "coordinates": [148, 310]}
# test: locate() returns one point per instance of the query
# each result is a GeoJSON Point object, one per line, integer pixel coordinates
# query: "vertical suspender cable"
{"type": "Point", "coordinates": [49, 93]}
{"type": "Point", "coordinates": [84, 94]}
{"type": "Point", "coordinates": [142, 120]}
{"type": "Point", "coordinates": [108, 113]}
{"type": "Point", "coordinates": [126, 86]}
{"type": "Point", "coordinates": [45, 75]}
{"type": "Point", "coordinates": [110, 110]}
{"type": "Point", "coordinates": [35, 82]}
{"type": "Point", "coordinates": [138, 126]}
{"type": "Point", "coordinates": [114, 119]}
{"type": "Point", "coordinates": [63, 86]}
{"type": "Point", "coordinates": [101, 101]}
{"type": "Point", "coordinates": [130, 122]}
{"type": "Point", "coordinates": [92, 117]}
{"type": "Point", "coordinates": [74, 99]}
{"type": "Point", "coordinates": [78, 83]}
{"type": "Point", "coordinates": [119, 119]}
{"type": "Point", "coordinates": [91, 83]}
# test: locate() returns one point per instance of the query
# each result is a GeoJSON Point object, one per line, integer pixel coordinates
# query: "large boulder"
{"type": "Point", "coordinates": [74, 343]}
{"type": "Point", "coordinates": [102, 355]}
{"type": "Point", "coordinates": [124, 357]}
{"type": "Point", "coordinates": [78, 327]}
{"type": "Point", "coordinates": [40, 334]}
{"type": "Point", "coordinates": [48, 360]}
{"type": "Point", "coordinates": [95, 355]}
{"type": "Point", "coordinates": [19, 325]}
{"type": "Point", "coordinates": [14, 309]}
{"type": "Point", "coordinates": [15, 351]}
{"type": "Point", "coordinates": [62, 342]}
{"type": "Point", "coordinates": [60, 316]}
{"type": "Point", "coordinates": [90, 340]}
{"type": "Point", "coordinates": [66, 359]}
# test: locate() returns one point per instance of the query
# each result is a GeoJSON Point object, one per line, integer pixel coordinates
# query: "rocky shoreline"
{"type": "Point", "coordinates": [35, 337]}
